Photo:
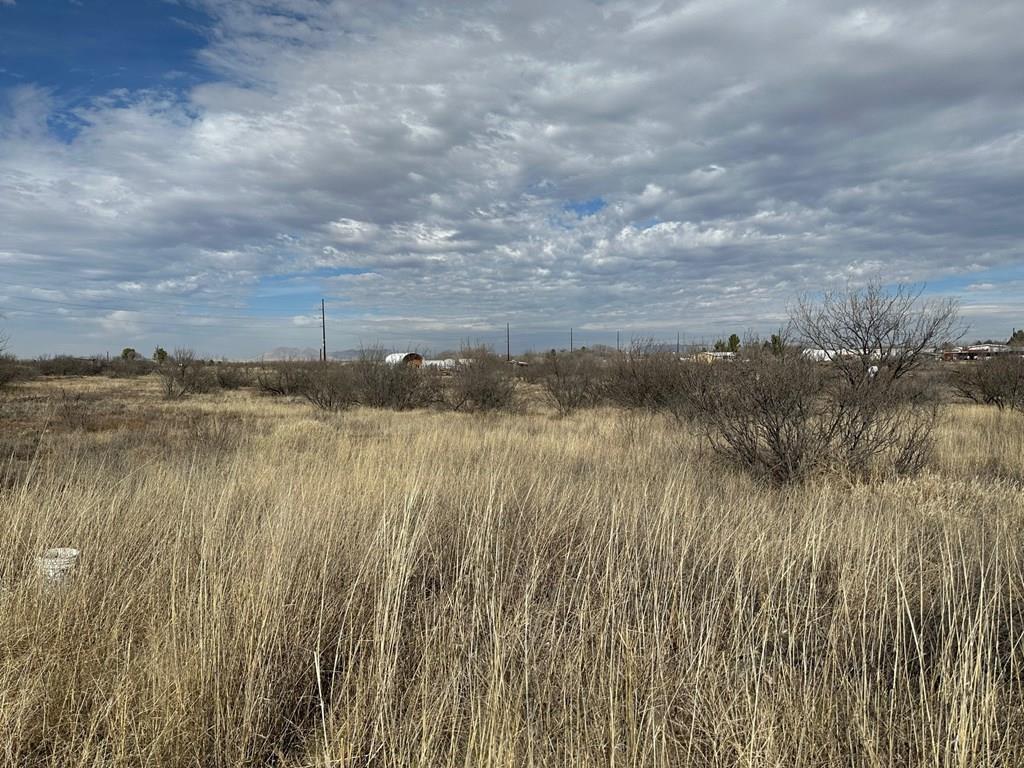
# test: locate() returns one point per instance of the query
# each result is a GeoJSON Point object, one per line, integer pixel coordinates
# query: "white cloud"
{"type": "Point", "coordinates": [746, 151]}
{"type": "Point", "coordinates": [120, 322]}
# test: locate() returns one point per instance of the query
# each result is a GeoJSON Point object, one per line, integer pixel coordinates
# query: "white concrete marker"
{"type": "Point", "coordinates": [56, 565]}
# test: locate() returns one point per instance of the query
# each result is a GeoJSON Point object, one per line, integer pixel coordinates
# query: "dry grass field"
{"type": "Point", "coordinates": [264, 584]}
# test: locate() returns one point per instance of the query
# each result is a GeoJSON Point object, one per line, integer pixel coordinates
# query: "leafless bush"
{"type": "Point", "coordinates": [786, 416]}
{"type": "Point", "coordinates": [571, 381]}
{"type": "Point", "coordinates": [8, 370]}
{"type": "Point", "coordinates": [786, 420]}
{"type": "Point", "coordinates": [231, 376]}
{"type": "Point", "coordinates": [285, 379]}
{"type": "Point", "coordinates": [67, 365]}
{"type": "Point", "coordinates": [653, 379]}
{"type": "Point", "coordinates": [998, 381]}
{"type": "Point", "coordinates": [400, 387]}
{"type": "Point", "coordinates": [481, 381]}
{"type": "Point", "coordinates": [329, 387]}
{"type": "Point", "coordinates": [762, 416]}
{"type": "Point", "coordinates": [182, 374]}
{"type": "Point", "coordinates": [72, 410]}
{"type": "Point", "coordinates": [127, 368]}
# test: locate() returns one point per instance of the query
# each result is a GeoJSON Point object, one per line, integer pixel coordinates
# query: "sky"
{"type": "Point", "coordinates": [200, 173]}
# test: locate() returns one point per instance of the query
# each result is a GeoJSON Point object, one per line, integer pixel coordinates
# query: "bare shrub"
{"type": "Point", "coordinates": [762, 416]}
{"type": "Point", "coordinates": [182, 374]}
{"type": "Point", "coordinates": [8, 370]}
{"type": "Point", "coordinates": [646, 377]}
{"type": "Point", "coordinates": [787, 419]}
{"type": "Point", "coordinates": [127, 367]}
{"type": "Point", "coordinates": [862, 412]}
{"type": "Point", "coordinates": [230, 376]}
{"type": "Point", "coordinates": [72, 410]}
{"type": "Point", "coordinates": [998, 381]}
{"type": "Point", "coordinates": [481, 381]}
{"type": "Point", "coordinates": [571, 381]}
{"type": "Point", "coordinates": [329, 387]}
{"type": "Point", "coordinates": [67, 365]}
{"type": "Point", "coordinates": [400, 387]}
{"type": "Point", "coordinates": [285, 379]}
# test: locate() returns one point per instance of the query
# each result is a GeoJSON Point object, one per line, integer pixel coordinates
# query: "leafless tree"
{"type": "Point", "coordinates": [871, 326]}
{"type": "Point", "coordinates": [183, 374]}
{"type": "Point", "coordinates": [785, 416]}
{"type": "Point", "coordinates": [8, 370]}
{"type": "Point", "coordinates": [571, 381]}
{"type": "Point", "coordinates": [481, 381]}
{"type": "Point", "coordinates": [998, 381]}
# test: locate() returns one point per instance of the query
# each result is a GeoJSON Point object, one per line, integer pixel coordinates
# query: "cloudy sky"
{"type": "Point", "coordinates": [201, 172]}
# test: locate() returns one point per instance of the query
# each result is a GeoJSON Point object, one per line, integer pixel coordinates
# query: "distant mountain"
{"type": "Point", "coordinates": [308, 353]}
{"type": "Point", "coordinates": [292, 353]}
{"type": "Point", "coordinates": [345, 354]}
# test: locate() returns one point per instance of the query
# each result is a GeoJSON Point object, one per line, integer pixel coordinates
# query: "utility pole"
{"type": "Point", "coordinates": [323, 327]}
{"type": "Point", "coordinates": [617, 347]}
{"type": "Point", "coordinates": [508, 344]}
{"type": "Point", "coordinates": [677, 343]}
{"type": "Point", "coordinates": [570, 340]}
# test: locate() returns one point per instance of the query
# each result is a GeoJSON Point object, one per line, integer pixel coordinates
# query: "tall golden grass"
{"type": "Point", "coordinates": [260, 584]}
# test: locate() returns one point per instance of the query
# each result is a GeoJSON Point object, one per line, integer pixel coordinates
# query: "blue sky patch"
{"type": "Point", "coordinates": [586, 207]}
{"type": "Point", "coordinates": [83, 49]}
{"type": "Point", "coordinates": [296, 293]}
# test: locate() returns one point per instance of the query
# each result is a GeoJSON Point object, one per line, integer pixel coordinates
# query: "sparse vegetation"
{"type": "Point", "coordinates": [786, 417]}
{"type": "Point", "coordinates": [480, 382]}
{"type": "Point", "coordinates": [998, 381]}
{"type": "Point", "coordinates": [646, 377]}
{"type": "Point", "coordinates": [432, 588]}
{"type": "Point", "coordinates": [182, 374]}
{"type": "Point", "coordinates": [398, 387]}
{"type": "Point", "coordinates": [8, 369]}
{"type": "Point", "coordinates": [67, 365]}
{"type": "Point", "coordinates": [329, 386]}
{"type": "Point", "coordinates": [262, 583]}
{"type": "Point", "coordinates": [284, 379]}
{"type": "Point", "coordinates": [232, 375]}
{"type": "Point", "coordinates": [571, 382]}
